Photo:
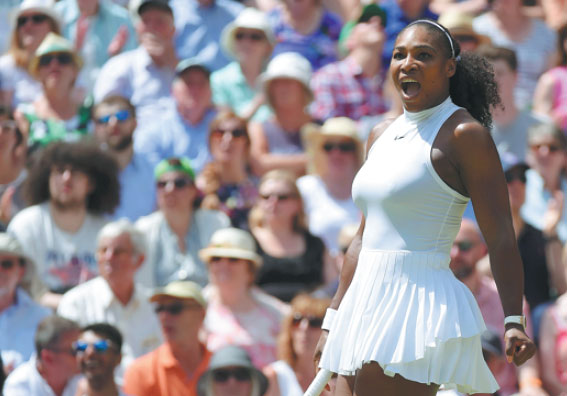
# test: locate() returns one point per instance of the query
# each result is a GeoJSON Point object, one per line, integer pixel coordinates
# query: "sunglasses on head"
{"type": "Point", "coordinates": [464, 246]}
{"type": "Point", "coordinates": [36, 19]}
{"type": "Point", "coordinates": [178, 183]}
{"type": "Point", "coordinates": [120, 116]}
{"type": "Point", "coordinates": [346, 147]}
{"type": "Point", "coordinates": [278, 197]}
{"type": "Point", "coordinates": [9, 264]}
{"type": "Point", "coordinates": [251, 36]}
{"type": "Point", "coordinates": [100, 346]}
{"type": "Point", "coordinates": [63, 58]}
{"type": "Point", "coordinates": [174, 308]}
{"type": "Point", "coordinates": [313, 321]}
{"type": "Point", "coordinates": [515, 175]}
{"type": "Point", "coordinates": [240, 374]}
{"type": "Point", "coordinates": [236, 133]}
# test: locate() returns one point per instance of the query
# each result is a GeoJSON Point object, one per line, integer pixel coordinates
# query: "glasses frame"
{"type": "Point", "coordinates": [63, 58]}
{"type": "Point", "coordinates": [240, 374]}
{"type": "Point", "coordinates": [343, 147]}
{"type": "Point", "coordinates": [121, 116]}
{"type": "Point", "coordinates": [35, 18]}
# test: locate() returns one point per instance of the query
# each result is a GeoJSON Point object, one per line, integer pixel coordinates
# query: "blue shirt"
{"type": "Point", "coordinates": [137, 189]}
{"type": "Point", "coordinates": [396, 21]}
{"type": "Point", "coordinates": [134, 75]}
{"type": "Point", "coordinates": [199, 29]}
{"type": "Point", "coordinates": [17, 328]}
{"type": "Point", "coordinates": [174, 137]}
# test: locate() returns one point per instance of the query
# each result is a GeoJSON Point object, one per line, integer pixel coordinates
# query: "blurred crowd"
{"type": "Point", "coordinates": [175, 185]}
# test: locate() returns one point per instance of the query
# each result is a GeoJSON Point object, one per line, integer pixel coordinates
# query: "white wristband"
{"type": "Point", "coordinates": [329, 319]}
{"type": "Point", "coordinates": [517, 319]}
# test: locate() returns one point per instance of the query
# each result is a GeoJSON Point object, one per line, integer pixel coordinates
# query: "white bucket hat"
{"type": "Point", "coordinates": [232, 243]}
{"type": "Point", "coordinates": [46, 7]}
{"type": "Point", "coordinates": [288, 65]}
{"type": "Point", "coordinates": [249, 18]}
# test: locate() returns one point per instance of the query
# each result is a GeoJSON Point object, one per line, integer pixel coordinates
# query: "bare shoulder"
{"type": "Point", "coordinates": [377, 131]}
{"type": "Point", "coordinates": [466, 135]}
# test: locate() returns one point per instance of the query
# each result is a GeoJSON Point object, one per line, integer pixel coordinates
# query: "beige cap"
{"type": "Point", "coordinates": [182, 290]}
{"type": "Point", "coordinates": [231, 243]}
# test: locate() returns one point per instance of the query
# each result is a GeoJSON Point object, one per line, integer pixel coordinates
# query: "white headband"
{"type": "Point", "coordinates": [443, 30]}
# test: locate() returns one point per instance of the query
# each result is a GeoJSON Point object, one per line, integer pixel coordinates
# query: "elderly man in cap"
{"type": "Point", "coordinates": [19, 314]}
{"type": "Point", "coordinates": [231, 373]}
{"type": "Point", "coordinates": [353, 87]}
{"type": "Point", "coordinates": [174, 368]}
{"type": "Point", "coordinates": [183, 132]}
{"type": "Point", "coordinates": [114, 297]}
{"type": "Point", "coordinates": [144, 75]}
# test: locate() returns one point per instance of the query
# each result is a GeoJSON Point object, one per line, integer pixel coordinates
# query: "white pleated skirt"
{"type": "Point", "coordinates": [407, 312]}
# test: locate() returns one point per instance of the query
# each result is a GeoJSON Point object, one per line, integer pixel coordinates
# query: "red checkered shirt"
{"type": "Point", "coordinates": [340, 89]}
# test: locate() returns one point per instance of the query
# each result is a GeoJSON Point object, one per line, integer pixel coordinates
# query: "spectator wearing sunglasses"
{"type": "Point", "coordinates": [32, 20]}
{"type": "Point", "coordinates": [301, 329]}
{"type": "Point", "coordinates": [114, 297]}
{"type": "Point", "coordinates": [115, 123]}
{"type": "Point", "coordinates": [60, 112]}
{"type": "Point", "coordinates": [546, 183]}
{"type": "Point", "coordinates": [184, 131]}
{"type": "Point", "coordinates": [249, 41]}
{"type": "Point", "coordinates": [53, 369]}
{"type": "Point", "coordinates": [175, 367]}
{"type": "Point", "coordinates": [468, 249]}
{"type": "Point", "coordinates": [98, 352]}
{"type": "Point", "coordinates": [19, 313]}
{"type": "Point", "coordinates": [335, 154]}
{"type": "Point", "coordinates": [459, 24]}
{"type": "Point", "coordinates": [13, 153]}
{"type": "Point", "coordinates": [239, 313]}
{"type": "Point", "coordinates": [294, 260]}
{"type": "Point", "coordinates": [231, 373]}
{"type": "Point", "coordinates": [177, 230]}
{"type": "Point", "coordinates": [227, 182]}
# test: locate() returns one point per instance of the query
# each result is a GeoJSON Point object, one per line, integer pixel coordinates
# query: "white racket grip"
{"type": "Point", "coordinates": [319, 382]}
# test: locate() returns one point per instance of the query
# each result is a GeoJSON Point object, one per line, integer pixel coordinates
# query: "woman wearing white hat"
{"type": "Point", "coordinates": [249, 41]}
{"type": "Point", "coordinates": [31, 22]}
{"type": "Point", "coordinates": [276, 143]}
{"type": "Point", "coordinates": [238, 313]}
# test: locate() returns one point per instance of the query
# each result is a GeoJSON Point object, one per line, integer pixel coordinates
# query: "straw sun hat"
{"type": "Point", "coordinates": [53, 43]}
{"type": "Point", "coordinates": [232, 243]}
{"type": "Point", "coordinates": [249, 18]}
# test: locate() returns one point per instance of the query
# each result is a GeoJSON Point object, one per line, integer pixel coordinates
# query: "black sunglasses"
{"type": "Point", "coordinates": [236, 133]}
{"type": "Point", "coordinates": [251, 36]}
{"type": "Point", "coordinates": [241, 374]}
{"type": "Point", "coordinates": [64, 58]}
{"type": "Point", "coordinates": [178, 183]}
{"type": "Point", "coordinates": [279, 197]}
{"type": "Point", "coordinates": [347, 147]}
{"type": "Point", "coordinates": [9, 264]}
{"type": "Point", "coordinates": [313, 321]}
{"type": "Point", "coordinates": [173, 308]}
{"type": "Point", "coordinates": [215, 259]}
{"type": "Point", "coordinates": [36, 19]}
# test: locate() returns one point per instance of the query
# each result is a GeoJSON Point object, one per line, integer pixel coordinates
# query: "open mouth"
{"type": "Point", "coordinates": [410, 87]}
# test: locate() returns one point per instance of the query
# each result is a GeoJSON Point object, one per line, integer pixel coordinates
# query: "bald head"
{"type": "Point", "coordinates": [468, 248]}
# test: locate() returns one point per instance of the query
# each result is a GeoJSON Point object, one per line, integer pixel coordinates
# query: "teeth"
{"type": "Point", "coordinates": [408, 80]}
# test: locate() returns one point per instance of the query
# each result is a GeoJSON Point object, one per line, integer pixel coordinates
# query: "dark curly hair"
{"type": "Point", "coordinates": [472, 86]}
{"type": "Point", "coordinates": [99, 166]}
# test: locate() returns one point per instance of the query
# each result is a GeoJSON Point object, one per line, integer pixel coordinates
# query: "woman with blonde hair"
{"type": "Point", "coordinates": [294, 259]}
{"type": "Point", "coordinates": [227, 182]}
{"type": "Point", "coordinates": [335, 154]}
{"type": "Point", "coordinates": [292, 374]}
{"type": "Point", "coordinates": [32, 21]}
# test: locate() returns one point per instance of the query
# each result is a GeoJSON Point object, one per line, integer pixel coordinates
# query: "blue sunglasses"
{"type": "Point", "coordinates": [120, 116]}
{"type": "Point", "coordinates": [100, 346]}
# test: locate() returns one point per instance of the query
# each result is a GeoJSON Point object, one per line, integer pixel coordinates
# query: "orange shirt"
{"type": "Point", "coordinates": [159, 373]}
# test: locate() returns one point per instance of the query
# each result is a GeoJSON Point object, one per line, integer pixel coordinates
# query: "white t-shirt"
{"type": "Point", "coordinates": [62, 260]}
{"type": "Point", "coordinates": [17, 80]}
{"type": "Point", "coordinates": [326, 214]}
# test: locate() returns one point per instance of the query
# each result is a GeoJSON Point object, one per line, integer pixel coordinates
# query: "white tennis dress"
{"type": "Point", "coordinates": [404, 308]}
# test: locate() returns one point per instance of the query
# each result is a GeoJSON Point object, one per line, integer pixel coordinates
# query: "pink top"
{"type": "Point", "coordinates": [559, 105]}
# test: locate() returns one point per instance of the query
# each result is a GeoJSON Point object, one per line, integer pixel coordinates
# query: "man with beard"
{"type": "Point", "coordinates": [115, 122]}
{"type": "Point", "coordinates": [98, 352]}
{"type": "Point", "coordinates": [468, 248]}
{"type": "Point", "coordinates": [144, 75]}
{"type": "Point", "coordinates": [70, 187]}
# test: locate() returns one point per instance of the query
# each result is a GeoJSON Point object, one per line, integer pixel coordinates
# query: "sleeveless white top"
{"type": "Point", "coordinates": [404, 309]}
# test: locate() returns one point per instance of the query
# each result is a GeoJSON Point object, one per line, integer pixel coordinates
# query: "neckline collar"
{"type": "Point", "coordinates": [424, 114]}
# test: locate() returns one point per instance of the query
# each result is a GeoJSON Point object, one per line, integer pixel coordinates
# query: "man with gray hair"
{"type": "Point", "coordinates": [113, 297]}
{"type": "Point", "coordinates": [53, 369]}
